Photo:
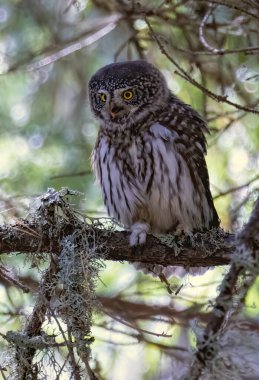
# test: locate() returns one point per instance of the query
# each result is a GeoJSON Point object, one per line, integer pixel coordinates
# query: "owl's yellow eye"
{"type": "Point", "coordinates": [127, 95]}
{"type": "Point", "coordinates": [103, 97]}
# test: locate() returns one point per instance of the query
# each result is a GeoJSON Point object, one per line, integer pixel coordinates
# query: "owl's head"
{"type": "Point", "coordinates": [127, 92]}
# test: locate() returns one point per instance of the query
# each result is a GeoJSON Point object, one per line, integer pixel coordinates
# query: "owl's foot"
{"type": "Point", "coordinates": [138, 234]}
{"type": "Point", "coordinates": [183, 230]}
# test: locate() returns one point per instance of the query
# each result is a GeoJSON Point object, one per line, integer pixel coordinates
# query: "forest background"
{"type": "Point", "coordinates": [142, 328]}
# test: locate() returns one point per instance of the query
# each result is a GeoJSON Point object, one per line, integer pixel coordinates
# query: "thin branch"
{"type": "Point", "coordinates": [78, 174]}
{"type": "Point", "coordinates": [71, 356]}
{"type": "Point", "coordinates": [65, 51]}
{"type": "Point", "coordinates": [246, 50]}
{"type": "Point", "coordinates": [25, 355]}
{"type": "Point", "coordinates": [72, 48]}
{"type": "Point", "coordinates": [2, 373]}
{"type": "Point", "coordinates": [219, 132]}
{"type": "Point", "coordinates": [236, 188]}
{"type": "Point", "coordinates": [233, 6]}
{"type": "Point", "coordinates": [201, 30]}
{"type": "Point", "coordinates": [7, 275]}
{"type": "Point", "coordinates": [139, 311]}
{"type": "Point", "coordinates": [134, 327]}
{"type": "Point", "coordinates": [183, 74]}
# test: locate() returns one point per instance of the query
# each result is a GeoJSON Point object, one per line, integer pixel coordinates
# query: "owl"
{"type": "Point", "coordinates": [149, 156]}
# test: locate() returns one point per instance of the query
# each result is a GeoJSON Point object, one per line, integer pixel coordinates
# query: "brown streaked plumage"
{"type": "Point", "coordinates": [149, 155]}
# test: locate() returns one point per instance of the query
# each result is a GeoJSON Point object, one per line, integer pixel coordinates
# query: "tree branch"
{"type": "Point", "coordinates": [207, 249]}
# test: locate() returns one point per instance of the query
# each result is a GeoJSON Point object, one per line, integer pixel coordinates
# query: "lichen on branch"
{"type": "Point", "coordinates": [41, 234]}
{"type": "Point", "coordinates": [66, 292]}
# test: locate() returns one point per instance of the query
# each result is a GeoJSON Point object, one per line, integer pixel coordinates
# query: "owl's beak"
{"type": "Point", "coordinates": [113, 115]}
{"type": "Point", "coordinates": [115, 110]}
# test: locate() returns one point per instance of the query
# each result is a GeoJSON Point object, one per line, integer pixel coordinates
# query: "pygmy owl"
{"type": "Point", "coordinates": [149, 155]}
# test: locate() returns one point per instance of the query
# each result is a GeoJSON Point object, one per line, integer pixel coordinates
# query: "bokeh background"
{"type": "Point", "coordinates": [48, 52]}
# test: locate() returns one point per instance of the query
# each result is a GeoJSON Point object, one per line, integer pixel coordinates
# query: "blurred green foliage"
{"type": "Point", "coordinates": [47, 135]}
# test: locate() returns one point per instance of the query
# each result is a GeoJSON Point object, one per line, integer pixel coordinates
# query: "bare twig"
{"type": "Point", "coordinates": [246, 50]}
{"type": "Point", "coordinates": [71, 356]}
{"type": "Point", "coordinates": [64, 51]}
{"type": "Point", "coordinates": [183, 74]}
{"type": "Point", "coordinates": [233, 5]}
{"type": "Point", "coordinates": [236, 188]}
{"type": "Point", "coordinates": [72, 48]}
{"type": "Point", "coordinates": [201, 30]}
{"type": "Point", "coordinates": [134, 327]}
{"type": "Point", "coordinates": [7, 275]}
{"type": "Point", "coordinates": [137, 311]}
{"type": "Point", "coordinates": [25, 355]}
{"type": "Point", "coordinates": [78, 174]}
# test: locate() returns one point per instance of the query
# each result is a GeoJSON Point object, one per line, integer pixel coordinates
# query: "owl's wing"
{"type": "Point", "coordinates": [191, 144]}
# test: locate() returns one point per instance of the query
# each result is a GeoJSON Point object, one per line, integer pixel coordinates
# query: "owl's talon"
{"type": "Point", "coordinates": [138, 249]}
{"type": "Point", "coordinates": [183, 230]}
{"type": "Point", "coordinates": [138, 234]}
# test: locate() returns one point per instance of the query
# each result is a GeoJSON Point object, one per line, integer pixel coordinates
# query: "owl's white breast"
{"type": "Point", "coordinates": [147, 179]}
{"type": "Point", "coordinates": [114, 167]}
